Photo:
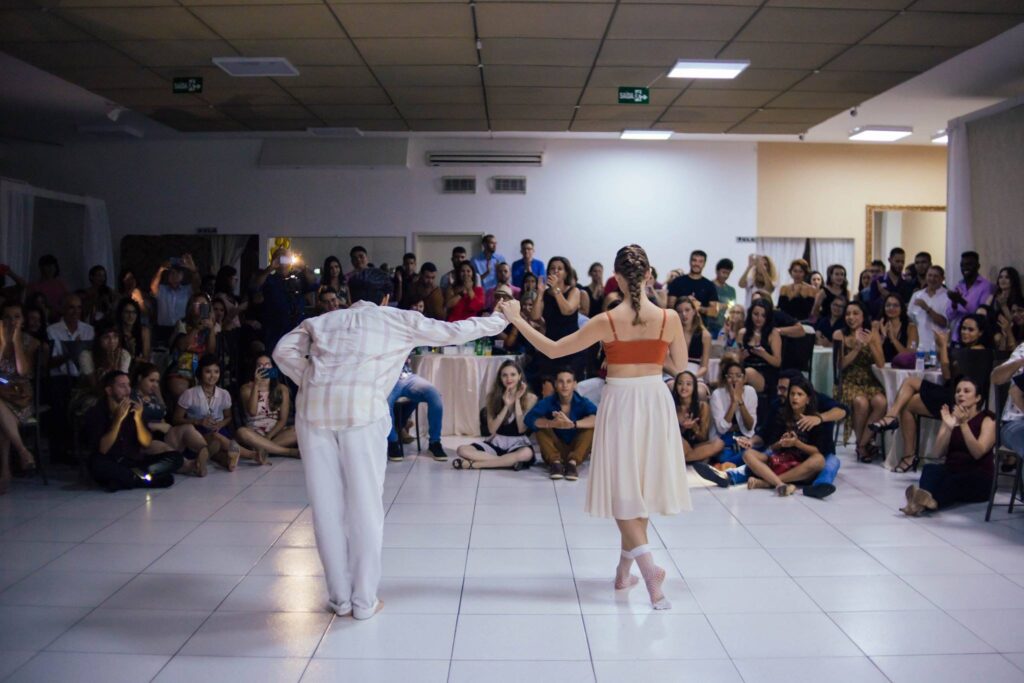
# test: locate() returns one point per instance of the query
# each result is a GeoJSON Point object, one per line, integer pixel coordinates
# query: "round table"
{"type": "Point", "coordinates": [892, 379]}
{"type": "Point", "coordinates": [463, 382]}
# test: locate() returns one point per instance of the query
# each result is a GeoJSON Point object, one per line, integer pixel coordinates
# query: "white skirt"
{"type": "Point", "coordinates": [637, 467]}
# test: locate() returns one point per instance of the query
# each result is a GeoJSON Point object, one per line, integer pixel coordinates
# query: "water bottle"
{"type": "Point", "coordinates": [919, 353]}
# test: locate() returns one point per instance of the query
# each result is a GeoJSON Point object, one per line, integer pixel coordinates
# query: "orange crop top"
{"type": "Point", "coordinates": [651, 351]}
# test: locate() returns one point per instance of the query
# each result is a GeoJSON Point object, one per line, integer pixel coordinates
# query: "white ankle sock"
{"type": "Point", "coordinates": [623, 579]}
{"type": "Point", "coordinates": [653, 575]}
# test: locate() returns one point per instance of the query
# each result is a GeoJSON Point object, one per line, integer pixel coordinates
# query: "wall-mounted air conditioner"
{"type": "Point", "coordinates": [485, 158]}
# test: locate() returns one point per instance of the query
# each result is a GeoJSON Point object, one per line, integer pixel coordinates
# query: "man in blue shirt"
{"type": "Point", "coordinates": [829, 410]}
{"type": "Point", "coordinates": [564, 423]}
{"type": "Point", "coordinates": [284, 285]}
{"type": "Point", "coordinates": [486, 263]}
{"type": "Point", "coordinates": [520, 267]}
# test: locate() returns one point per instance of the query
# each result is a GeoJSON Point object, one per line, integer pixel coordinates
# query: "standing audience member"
{"type": "Point", "coordinates": [266, 405]}
{"type": "Point", "coordinates": [564, 425]}
{"type": "Point", "coordinates": [595, 290]}
{"type": "Point", "coordinates": [898, 334]}
{"type": "Point", "coordinates": [107, 353]}
{"type": "Point", "coordinates": [452, 276]}
{"type": "Point", "coordinates": [332, 275]}
{"type": "Point", "coordinates": [864, 286]}
{"type": "Point", "coordinates": [17, 367]}
{"type": "Point", "coordinates": [98, 299]}
{"type": "Point", "coordinates": [284, 285]}
{"type": "Point", "coordinates": [734, 411]}
{"type": "Point", "coordinates": [726, 296]}
{"type": "Point", "coordinates": [922, 262]}
{"type": "Point", "coordinates": [464, 299]}
{"type": "Point", "coordinates": [13, 292]}
{"type": "Point", "coordinates": [172, 296]}
{"type": "Point", "coordinates": [694, 285]}
{"type": "Point", "coordinates": [486, 262]}
{"type": "Point", "coordinates": [194, 336]}
{"type": "Point", "coordinates": [136, 336]}
{"type": "Point", "coordinates": [761, 347]}
{"type": "Point", "coordinates": [858, 347]}
{"type": "Point", "coordinates": [559, 307]}
{"type": "Point", "coordinates": [405, 275]}
{"type": "Point", "coordinates": [508, 446]}
{"type": "Point", "coordinates": [50, 284]}
{"type": "Point", "coordinates": [116, 435]}
{"type": "Point", "coordinates": [424, 288]}
{"type": "Point", "coordinates": [966, 440]}
{"type": "Point", "coordinates": [928, 308]}
{"type": "Point", "coordinates": [360, 261]}
{"type": "Point", "coordinates": [1007, 292]}
{"type": "Point", "coordinates": [835, 287]}
{"type": "Point", "coordinates": [759, 278]}
{"type": "Point", "coordinates": [890, 282]}
{"type": "Point", "coordinates": [694, 415]}
{"type": "Point", "coordinates": [972, 291]}
{"type": "Point", "coordinates": [526, 265]}
{"type": "Point", "coordinates": [798, 297]}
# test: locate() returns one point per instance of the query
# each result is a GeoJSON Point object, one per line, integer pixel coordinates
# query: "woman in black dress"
{"type": "Point", "coordinates": [835, 286]}
{"type": "Point", "coordinates": [894, 327]}
{"type": "Point", "coordinates": [761, 350]}
{"type": "Point", "coordinates": [559, 307]}
{"type": "Point", "coordinates": [797, 298]}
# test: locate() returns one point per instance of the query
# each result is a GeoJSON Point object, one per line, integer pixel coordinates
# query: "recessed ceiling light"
{"type": "Point", "coordinates": [880, 133]}
{"type": "Point", "coordinates": [645, 135]}
{"type": "Point", "coordinates": [941, 138]}
{"type": "Point", "coordinates": [248, 67]}
{"type": "Point", "coordinates": [708, 68]}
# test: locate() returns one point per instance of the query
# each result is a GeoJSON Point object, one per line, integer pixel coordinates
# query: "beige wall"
{"type": "Point", "coordinates": [822, 190]}
{"type": "Point", "coordinates": [925, 231]}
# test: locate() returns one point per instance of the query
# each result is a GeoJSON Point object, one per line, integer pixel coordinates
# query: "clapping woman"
{"type": "Point", "coordinates": [508, 402]}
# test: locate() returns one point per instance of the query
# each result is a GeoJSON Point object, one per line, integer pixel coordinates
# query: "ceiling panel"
{"type": "Point", "coordinates": [278, 111]}
{"type": "Point", "coordinates": [940, 28]}
{"type": "Point", "coordinates": [725, 98]}
{"type": "Point", "coordinates": [614, 112]}
{"type": "Point", "coordinates": [455, 125]}
{"type": "Point", "coordinates": [783, 55]}
{"type": "Point", "coordinates": [64, 55]}
{"type": "Point", "coordinates": [303, 51]}
{"type": "Point", "coordinates": [412, 20]}
{"type": "Point", "coordinates": [663, 53]}
{"type": "Point", "coordinates": [139, 23]}
{"type": "Point", "coordinates": [25, 25]}
{"type": "Point", "coordinates": [241, 96]}
{"type": "Point", "coordinates": [660, 97]}
{"type": "Point", "coordinates": [271, 22]}
{"type": "Point", "coordinates": [804, 116]}
{"type": "Point", "coordinates": [331, 76]}
{"type": "Point", "coordinates": [107, 77]}
{"type": "Point", "coordinates": [329, 95]}
{"type": "Point", "coordinates": [417, 50]}
{"type": "Point", "coordinates": [519, 112]}
{"type": "Point", "coordinates": [551, 126]}
{"type": "Point", "coordinates": [532, 95]}
{"type": "Point", "coordinates": [600, 126]}
{"type": "Point", "coordinates": [355, 111]}
{"type": "Point", "coordinates": [175, 52]}
{"type": "Point", "coordinates": [144, 98]}
{"type": "Point", "coordinates": [770, 128]}
{"type": "Point", "coordinates": [629, 76]}
{"type": "Point", "coordinates": [820, 100]}
{"type": "Point", "coordinates": [893, 5]}
{"type": "Point", "coordinates": [812, 25]}
{"type": "Point", "coordinates": [972, 6]}
{"type": "Point", "coordinates": [706, 114]}
{"type": "Point", "coordinates": [759, 79]}
{"type": "Point", "coordinates": [445, 111]}
{"type": "Point", "coordinates": [686, 22]}
{"type": "Point", "coordinates": [892, 58]}
{"type": "Point", "coordinates": [542, 20]}
{"type": "Point", "coordinates": [420, 76]}
{"type": "Point", "coordinates": [281, 124]}
{"type": "Point", "coordinates": [693, 127]}
{"type": "Point", "coordinates": [540, 51]}
{"type": "Point", "coordinates": [438, 95]}
{"type": "Point", "coordinates": [104, 3]}
{"type": "Point", "coordinates": [856, 81]}
{"type": "Point", "coordinates": [552, 76]}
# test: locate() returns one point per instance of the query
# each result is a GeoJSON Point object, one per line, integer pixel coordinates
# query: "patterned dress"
{"type": "Point", "coordinates": [857, 379]}
{"type": "Point", "coordinates": [9, 366]}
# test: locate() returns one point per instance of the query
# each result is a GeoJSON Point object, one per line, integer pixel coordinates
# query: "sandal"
{"type": "Point", "coordinates": [907, 463]}
{"type": "Point", "coordinates": [889, 423]}
{"type": "Point", "coordinates": [865, 455]}
{"type": "Point", "coordinates": [462, 464]}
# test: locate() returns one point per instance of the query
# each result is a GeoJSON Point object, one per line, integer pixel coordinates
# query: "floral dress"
{"type": "Point", "coordinates": [857, 379]}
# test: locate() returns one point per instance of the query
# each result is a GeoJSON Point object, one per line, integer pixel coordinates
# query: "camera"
{"type": "Point", "coordinates": [287, 260]}
{"type": "Point", "coordinates": [204, 311]}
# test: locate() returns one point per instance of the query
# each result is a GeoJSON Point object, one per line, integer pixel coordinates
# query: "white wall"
{"type": "Point", "coordinates": [588, 199]}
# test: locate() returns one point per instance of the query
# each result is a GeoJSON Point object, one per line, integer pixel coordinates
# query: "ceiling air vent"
{"type": "Point", "coordinates": [485, 158]}
{"type": "Point", "coordinates": [458, 184]}
{"type": "Point", "coordinates": [508, 184]}
{"type": "Point", "coordinates": [248, 67]}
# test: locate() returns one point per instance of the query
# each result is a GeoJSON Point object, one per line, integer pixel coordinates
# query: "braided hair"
{"type": "Point", "coordinates": [632, 264]}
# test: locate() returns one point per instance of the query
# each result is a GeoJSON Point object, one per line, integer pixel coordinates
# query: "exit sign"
{"type": "Point", "coordinates": [187, 85]}
{"type": "Point", "coordinates": [634, 95]}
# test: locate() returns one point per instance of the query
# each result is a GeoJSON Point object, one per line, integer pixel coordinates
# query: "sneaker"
{"type": "Point", "coordinates": [708, 472]}
{"type": "Point", "coordinates": [437, 451]}
{"type": "Point", "coordinates": [819, 490]}
{"type": "Point", "coordinates": [571, 473]}
{"type": "Point", "coordinates": [395, 452]}
{"type": "Point", "coordinates": [556, 470]}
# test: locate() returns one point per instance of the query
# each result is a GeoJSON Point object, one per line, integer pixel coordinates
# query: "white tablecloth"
{"type": "Point", "coordinates": [892, 379]}
{"type": "Point", "coordinates": [463, 382]}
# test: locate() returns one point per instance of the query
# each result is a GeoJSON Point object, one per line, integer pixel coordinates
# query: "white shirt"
{"type": "Point", "coordinates": [347, 362]}
{"type": "Point", "coordinates": [926, 329]}
{"type": "Point", "coordinates": [59, 333]}
{"type": "Point", "coordinates": [1011, 413]}
{"type": "Point", "coordinates": [86, 365]}
{"type": "Point", "coordinates": [197, 407]}
{"type": "Point", "coordinates": [720, 402]}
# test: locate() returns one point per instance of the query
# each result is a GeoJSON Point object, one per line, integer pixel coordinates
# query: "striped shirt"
{"type": "Point", "coordinates": [346, 362]}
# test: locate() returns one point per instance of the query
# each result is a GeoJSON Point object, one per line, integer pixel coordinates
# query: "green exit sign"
{"type": "Point", "coordinates": [188, 85]}
{"type": "Point", "coordinates": [634, 95]}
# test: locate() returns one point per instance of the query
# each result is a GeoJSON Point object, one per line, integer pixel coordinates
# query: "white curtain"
{"type": "Point", "coordinates": [782, 251]}
{"type": "Point", "coordinates": [226, 250]}
{"type": "Point", "coordinates": [959, 231]}
{"type": "Point", "coordinates": [826, 252]}
{"type": "Point", "coordinates": [17, 204]}
{"type": "Point", "coordinates": [96, 239]}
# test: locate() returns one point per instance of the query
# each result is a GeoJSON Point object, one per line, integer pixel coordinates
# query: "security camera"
{"type": "Point", "coordinates": [853, 112]}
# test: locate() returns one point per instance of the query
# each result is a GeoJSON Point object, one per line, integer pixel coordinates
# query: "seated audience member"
{"type": "Point", "coordinates": [172, 297]}
{"type": "Point", "coordinates": [136, 336]}
{"type": "Point", "coordinates": [734, 320]}
{"type": "Point", "coordinates": [117, 434]}
{"type": "Point", "coordinates": [864, 285]}
{"type": "Point", "coordinates": [898, 334]}
{"type": "Point", "coordinates": [424, 288]}
{"type": "Point", "coordinates": [527, 265]}
{"type": "Point", "coordinates": [68, 337]}
{"type": "Point", "coordinates": [970, 293]}
{"type": "Point", "coordinates": [464, 299]}
{"type": "Point", "coordinates": [332, 275]}
{"type": "Point", "coordinates": [829, 412]}
{"type": "Point", "coordinates": [417, 390]}
{"type": "Point", "coordinates": [835, 286]}
{"type": "Point", "coordinates": [50, 284]}
{"type": "Point", "coordinates": [858, 348]}
{"type": "Point", "coordinates": [228, 341]}
{"type": "Point", "coordinates": [761, 347]}
{"type": "Point", "coordinates": [181, 438]}
{"type": "Point", "coordinates": [759, 278]}
{"type": "Point", "coordinates": [966, 439]}
{"type": "Point", "coordinates": [1010, 327]}
{"type": "Point", "coordinates": [927, 308]}
{"type": "Point", "coordinates": [266, 405]}
{"type": "Point", "coordinates": [795, 454]}
{"type": "Point", "coordinates": [827, 325]}
{"type": "Point", "coordinates": [1007, 292]}
{"type": "Point", "coordinates": [816, 279]}
{"type": "Point", "coordinates": [106, 353]}
{"type": "Point", "coordinates": [128, 288]}
{"type": "Point", "coordinates": [699, 351]}
{"type": "Point", "coordinates": [504, 278]}
{"type": "Point", "coordinates": [734, 411]}
{"type": "Point", "coordinates": [508, 446]}
{"type": "Point", "coordinates": [207, 407]}
{"type": "Point", "coordinates": [694, 416]}
{"type": "Point", "coordinates": [797, 298]}
{"type": "Point", "coordinates": [360, 260]}
{"type": "Point", "coordinates": [194, 336]}
{"type": "Point", "coordinates": [327, 300]}
{"type": "Point", "coordinates": [531, 288]}
{"type": "Point", "coordinates": [17, 368]}
{"type": "Point", "coordinates": [35, 327]}
{"type": "Point", "coordinates": [97, 299]}
{"type": "Point", "coordinates": [924, 398]}
{"type": "Point", "coordinates": [1012, 370]}
{"type": "Point", "coordinates": [564, 423]}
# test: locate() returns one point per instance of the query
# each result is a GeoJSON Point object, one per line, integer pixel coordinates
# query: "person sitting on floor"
{"type": "Point", "coordinates": [508, 445]}
{"type": "Point", "coordinates": [182, 438]}
{"type": "Point", "coordinates": [694, 419]}
{"type": "Point", "coordinates": [734, 411]}
{"type": "Point", "coordinates": [267, 404]}
{"type": "Point", "coordinates": [564, 423]}
{"type": "Point", "coordinates": [966, 440]}
{"type": "Point", "coordinates": [116, 435]}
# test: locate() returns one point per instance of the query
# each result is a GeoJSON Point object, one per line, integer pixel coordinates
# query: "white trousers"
{"type": "Point", "coordinates": [345, 479]}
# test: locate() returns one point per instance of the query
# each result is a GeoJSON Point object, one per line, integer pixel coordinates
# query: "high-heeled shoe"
{"type": "Point", "coordinates": [911, 466]}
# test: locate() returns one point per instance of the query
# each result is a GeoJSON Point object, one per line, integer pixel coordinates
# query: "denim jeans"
{"type": "Point", "coordinates": [1013, 436]}
{"type": "Point", "coordinates": [417, 390]}
{"type": "Point", "coordinates": [740, 474]}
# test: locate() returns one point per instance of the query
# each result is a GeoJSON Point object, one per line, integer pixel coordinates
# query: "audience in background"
{"type": "Point", "coordinates": [1007, 293]}
{"type": "Point", "coordinates": [284, 285]}
{"type": "Point", "coordinates": [404, 276]}
{"type": "Point", "coordinates": [864, 285]}
{"type": "Point", "coordinates": [360, 260]}
{"type": "Point", "coordinates": [919, 274]}
{"type": "Point", "coordinates": [503, 274]}
{"type": "Point", "coordinates": [595, 290]}
{"type": "Point", "coordinates": [890, 282]}
{"type": "Point", "coordinates": [266, 406]}
{"type": "Point", "coordinates": [424, 288]}
{"type": "Point", "coordinates": [816, 280]}
{"type": "Point", "coordinates": [559, 306]}
{"type": "Point", "coordinates": [173, 295]}
{"type": "Point", "coordinates": [128, 319]}
{"type": "Point", "coordinates": [759, 278]}
{"type": "Point", "coordinates": [18, 355]}
{"type": "Point", "coordinates": [835, 287]}
{"type": "Point", "coordinates": [699, 441]}
{"type": "Point", "coordinates": [1012, 370]}
{"type": "Point", "coordinates": [527, 264]}
{"type": "Point", "coordinates": [927, 308]}
{"type": "Point", "coordinates": [486, 262]}
{"type": "Point", "coordinates": [694, 285]}
{"type": "Point", "coordinates": [508, 445]}
{"type": "Point", "coordinates": [699, 350]}
{"type": "Point", "coordinates": [826, 326]}
{"type": "Point", "coordinates": [734, 411]}
{"type": "Point", "coordinates": [1010, 330]}
{"type": "Point", "coordinates": [734, 321]}
{"type": "Point", "coordinates": [332, 275]}
{"type": "Point", "coordinates": [458, 256]}
{"type": "Point", "coordinates": [760, 348]}
{"type": "Point", "coordinates": [857, 348]}
{"type": "Point", "coordinates": [898, 334]}
{"type": "Point", "coordinates": [98, 299]}
{"type": "Point", "coordinates": [464, 298]}
{"type": "Point", "coordinates": [327, 301]}
{"type": "Point", "coordinates": [50, 284]}
{"type": "Point", "coordinates": [797, 298]}
{"type": "Point", "coordinates": [415, 390]}
{"type": "Point", "coordinates": [970, 293]}
{"type": "Point", "coordinates": [564, 425]}
{"type": "Point", "coordinates": [726, 296]}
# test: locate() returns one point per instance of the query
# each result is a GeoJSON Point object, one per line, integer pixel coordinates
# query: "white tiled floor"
{"type": "Point", "coordinates": [500, 576]}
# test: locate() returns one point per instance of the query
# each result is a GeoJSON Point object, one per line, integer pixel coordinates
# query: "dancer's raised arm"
{"type": "Point", "coordinates": [585, 337]}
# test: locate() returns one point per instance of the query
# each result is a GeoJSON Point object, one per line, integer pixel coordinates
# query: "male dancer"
{"type": "Point", "coordinates": [345, 364]}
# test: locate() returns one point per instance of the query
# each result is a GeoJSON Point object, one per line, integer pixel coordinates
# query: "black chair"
{"type": "Point", "coordinates": [402, 401]}
{"type": "Point", "coordinates": [798, 353]}
{"type": "Point", "coordinates": [1001, 453]}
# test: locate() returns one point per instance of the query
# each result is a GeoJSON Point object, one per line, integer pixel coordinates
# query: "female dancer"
{"type": "Point", "coordinates": [638, 467]}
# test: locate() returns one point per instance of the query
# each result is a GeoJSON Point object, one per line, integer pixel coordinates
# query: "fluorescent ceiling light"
{"type": "Point", "coordinates": [713, 68]}
{"type": "Point", "coordinates": [645, 135]}
{"type": "Point", "coordinates": [941, 138]}
{"type": "Point", "coordinates": [250, 67]}
{"type": "Point", "coordinates": [880, 133]}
